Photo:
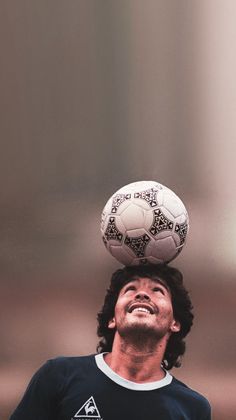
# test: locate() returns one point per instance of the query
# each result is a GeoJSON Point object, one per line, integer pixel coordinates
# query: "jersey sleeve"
{"type": "Point", "coordinates": [40, 398]}
{"type": "Point", "coordinates": [207, 415]}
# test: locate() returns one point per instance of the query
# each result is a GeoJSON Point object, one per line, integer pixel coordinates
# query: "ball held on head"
{"type": "Point", "coordinates": [144, 222]}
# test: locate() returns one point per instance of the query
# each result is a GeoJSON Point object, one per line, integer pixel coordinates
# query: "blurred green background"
{"type": "Point", "coordinates": [95, 95]}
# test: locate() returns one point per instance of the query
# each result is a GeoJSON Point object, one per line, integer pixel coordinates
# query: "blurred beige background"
{"type": "Point", "coordinates": [94, 95]}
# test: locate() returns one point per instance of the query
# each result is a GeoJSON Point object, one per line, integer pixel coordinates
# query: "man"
{"type": "Point", "coordinates": [146, 314]}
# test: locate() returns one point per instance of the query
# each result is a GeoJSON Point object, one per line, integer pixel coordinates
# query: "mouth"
{"type": "Point", "coordinates": [139, 307]}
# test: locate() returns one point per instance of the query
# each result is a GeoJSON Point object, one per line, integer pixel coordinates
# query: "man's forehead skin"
{"type": "Point", "coordinates": [154, 279]}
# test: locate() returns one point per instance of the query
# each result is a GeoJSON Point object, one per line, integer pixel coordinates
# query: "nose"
{"type": "Point", "coordinates": [142, 296]}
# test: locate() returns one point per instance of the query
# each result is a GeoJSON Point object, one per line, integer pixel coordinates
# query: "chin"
{"type": "Point", "coordinates": [141, 330]}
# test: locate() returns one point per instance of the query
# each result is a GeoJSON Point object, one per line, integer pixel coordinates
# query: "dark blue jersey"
{"type": "Point", "coordinates": [83, 388]}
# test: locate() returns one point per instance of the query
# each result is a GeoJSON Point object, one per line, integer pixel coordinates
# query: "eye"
{"type": "Point", "coordinates": [130, 288]}
{"type": "Point", "coordinates": [158, 289]}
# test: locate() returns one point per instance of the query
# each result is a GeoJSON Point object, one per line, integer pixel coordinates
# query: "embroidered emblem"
{"type": "Point", "coordinates": [88, 411]}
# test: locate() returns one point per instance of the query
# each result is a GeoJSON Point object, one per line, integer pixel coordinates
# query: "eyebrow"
{"type": "Point", "coordinates": [154, 279]}
{"type": "Point", "coordinates": [162, 282]}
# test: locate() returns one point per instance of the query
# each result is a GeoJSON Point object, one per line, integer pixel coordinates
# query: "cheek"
{"type": "Point", "coordinates": [165, 307]}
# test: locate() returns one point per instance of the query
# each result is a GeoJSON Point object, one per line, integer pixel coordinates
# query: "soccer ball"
{"type": "Point", "coordinates": [144, 222]}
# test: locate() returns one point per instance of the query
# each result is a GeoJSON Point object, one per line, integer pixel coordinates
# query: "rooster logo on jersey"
{"type": "Point", "coordinates": [88, 410]}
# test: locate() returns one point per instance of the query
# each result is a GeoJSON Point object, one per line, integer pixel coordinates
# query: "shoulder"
{"type": "Point", "coordinates": [71, 360]}
{"type": "Point", "coordinates": [60, 367]}
{"type": "Point", "coordinates": [68, 363]}
{"type": "Point", "coordinates": [192, 397]}
{"type": "Point", "coordinates": [59, 371]}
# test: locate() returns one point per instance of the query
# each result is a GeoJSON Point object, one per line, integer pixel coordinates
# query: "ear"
{"type": "Point", "coordinates": [175, 326]}
{"type": "Point", "coordinates": [112, 323]}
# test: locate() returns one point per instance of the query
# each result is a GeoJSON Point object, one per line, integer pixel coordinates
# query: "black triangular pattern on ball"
{"type": "Point", "coordinates": [148, 195]}
{"type": "Point", "coordinates": [117, 200]}
{"type": "Point", "coordinates": [138, 244]}
{"type": "Point", "coordinates": [160, 222]}
{"type": "Point", "coordinates": [112, 232]}
{"type": "Point", "coordinates": [182, 230]}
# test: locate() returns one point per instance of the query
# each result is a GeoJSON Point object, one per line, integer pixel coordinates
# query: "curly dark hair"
{"type": "Point", "coordinates": [182, 308]}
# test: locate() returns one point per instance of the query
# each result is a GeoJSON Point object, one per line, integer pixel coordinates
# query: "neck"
{"type": "Point", "coordinates": [138, 364]}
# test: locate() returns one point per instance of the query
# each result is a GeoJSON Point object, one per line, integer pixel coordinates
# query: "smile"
{"type": "Point", "coordinates": [141, 310]}
{"type": "Point", "coordinates": [139, 307]}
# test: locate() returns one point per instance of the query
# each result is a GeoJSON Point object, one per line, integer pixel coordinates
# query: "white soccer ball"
{"type": "Point", "coordinates": [144, 222]}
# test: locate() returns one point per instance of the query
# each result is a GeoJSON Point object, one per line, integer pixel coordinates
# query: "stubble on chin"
{"type": "Point", "coordinates": [141, 337]}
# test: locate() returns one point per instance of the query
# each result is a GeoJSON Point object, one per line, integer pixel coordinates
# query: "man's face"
{"type": "Point", "coordinates": [144, 306]}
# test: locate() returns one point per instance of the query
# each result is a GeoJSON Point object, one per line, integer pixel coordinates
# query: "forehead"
{"type": "Point", "coordinates": [139, 280]}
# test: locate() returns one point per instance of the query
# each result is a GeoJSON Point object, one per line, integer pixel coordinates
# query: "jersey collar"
{"type": "Point", "coordinates": [148, 386]}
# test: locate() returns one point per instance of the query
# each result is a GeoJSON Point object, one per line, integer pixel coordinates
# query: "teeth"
{"type": "Point", "coordinates": [141, 310]}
